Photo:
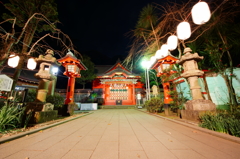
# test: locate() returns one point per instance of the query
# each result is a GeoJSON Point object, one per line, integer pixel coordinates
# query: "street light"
{"type": "Point", "coordinates": [145, 66]}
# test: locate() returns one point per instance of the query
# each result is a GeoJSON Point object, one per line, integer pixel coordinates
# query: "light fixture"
{"type": "Point", "coordinates": [183, 30]}
{"type": "Point", "coordinates": [152, 61]}
{"type": "Point", "coordinates": [164, 49]}
{"type": "Point", "coordinates": [158, 54]}
{"type": "Point", "coordinates": [31, 64]}
{"type": "Point", "coordinates": [172, 42]}
{"type": "Point", "coordinates": [201, 13]}
{"type": "Point", "coordinates": [55, 70]}
{"type": "Point", "coordinates": [13, 60]}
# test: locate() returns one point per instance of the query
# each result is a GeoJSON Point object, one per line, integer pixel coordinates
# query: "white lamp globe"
{"type": "Point", "coordinates": [158, 54]}
{"type": "Point", "coordinates": [144, 64]}
{"type": "Point", "coordinates": [201, 13]}
{"type": "Point", "coordinates": [31, 64]}
{"type": "Point", "coordinates": [164, 49]}
{"type": "Point", "coordinates": [183, 30]}
{"type": "Point", "coordinates": [148, 64]}
{"type": "Point", "coordinates": [172, 42]}
{"type": "Point", "coordinates": [13, 61]}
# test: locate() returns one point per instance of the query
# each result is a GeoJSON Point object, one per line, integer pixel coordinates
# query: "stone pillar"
{"type": "Point", "coordinates": [191, 72]}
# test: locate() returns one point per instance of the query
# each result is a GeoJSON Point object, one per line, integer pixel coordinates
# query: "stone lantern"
{"type": "Point", "coordinates": [191, 72]}
{"type": "Point", "coordinates": [44, 111]}
{"type": "Point", "coordinates": [160, 66]}
{"type": "Point", "coordinates": [73, 66]}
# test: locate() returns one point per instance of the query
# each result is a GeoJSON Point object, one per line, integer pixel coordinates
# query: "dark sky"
{"type": "Point", "coordinates": [100, 28]}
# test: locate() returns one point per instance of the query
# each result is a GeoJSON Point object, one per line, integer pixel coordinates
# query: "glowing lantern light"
{"type": "Point", "coordinates": [31, 65]}
{"type": "Point", "coordinates": [172, 42]}
{"type": "Point", "coordinates": [158, 54]}
{"type": "Point", "coordinates": [164, 49]}
{"type": "Point", "coordinates": [201, 13]}
{"type": "Point", "coordinates": [152, 60]}
{"type": "Point", "coordinates": [13, 61]}
{"type": "Point", "coordinates": [183, 30]}
{"type": "Point", "coordinates": [55, 70]}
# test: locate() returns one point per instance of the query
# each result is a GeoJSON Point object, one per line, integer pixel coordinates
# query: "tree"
{"type": "Point", "coordinates": [88, 75]}
{"type": "Point", "coordinates": [219, 44]}
{"type": "Point", "coordinates": [31, 16]}
{"type": "Point", "coordinates": [22, 10]}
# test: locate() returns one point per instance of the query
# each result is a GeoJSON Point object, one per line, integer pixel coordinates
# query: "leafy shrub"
{"type": "Point", "coordinates": [56, 99]}
{"type": "Point", "coordinates": [154, 105]}
{"type": "Point", "coordinates": [224, 122]}
{"type": "Point", "coordinates": [31, 95]}
{"type": "Point", "coordinates": [10, 117]}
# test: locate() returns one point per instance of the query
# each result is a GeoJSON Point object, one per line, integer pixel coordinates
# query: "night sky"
{"type": "Point", "coordinates": [101, 29]}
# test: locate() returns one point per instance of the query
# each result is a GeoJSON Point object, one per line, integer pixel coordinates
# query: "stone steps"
{"type": "Point", "coordinates": [117, 107]}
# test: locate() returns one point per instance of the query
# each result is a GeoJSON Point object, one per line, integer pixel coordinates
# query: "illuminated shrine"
{"type": "Point", "coordinates": [118, 86]}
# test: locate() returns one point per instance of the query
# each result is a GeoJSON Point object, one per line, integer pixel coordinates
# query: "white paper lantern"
{"type": "Point", "coordinates": [172, 42]}
{"type": "Point", "coordinates": [183, 30]}
{"type": "Point", "coordinates": [201, 13]}
{"type": "Point", "coordinates": [152, 61]}
{"type": "Point", "coordinates": [164, 49]}
{"type": "Point", "coordinates": [158, 54]}
{"type": "Point", "coordinates": [13, 61]}
{"type": "Point", "coordinates": [31, 65]}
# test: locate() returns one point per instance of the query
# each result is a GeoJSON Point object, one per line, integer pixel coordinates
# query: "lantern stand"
{"type": "Point", "coordinates": [73, 66]}
{"type": "Point", "coordinates": [197, 105]}
{"type": "Point", "coordinates": [43, 111]}
{"type": "Point", "coordinates": [160, 65]}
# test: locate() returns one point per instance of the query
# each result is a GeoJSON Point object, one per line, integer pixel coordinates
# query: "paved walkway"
{"type": "Point", "coordinates": [120, 134]}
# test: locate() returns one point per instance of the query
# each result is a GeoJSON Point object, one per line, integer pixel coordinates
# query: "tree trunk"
{"type": "Point", "coordinates": [30, 31]}
{"type": "Point", "coordinates": [206, 88]}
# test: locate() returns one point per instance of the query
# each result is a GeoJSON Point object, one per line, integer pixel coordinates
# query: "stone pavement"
{"type": "Point", "coordinates": [120, 134]}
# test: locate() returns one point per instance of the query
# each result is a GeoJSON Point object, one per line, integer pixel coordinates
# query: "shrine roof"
{"type": "Point", "coordinates": [108, 71]}
{"type": "Point", "coordinates": [26, 75]}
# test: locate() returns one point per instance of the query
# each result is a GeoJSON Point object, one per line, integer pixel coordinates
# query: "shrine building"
{"type": "Point", "coordinates": [117, 85]}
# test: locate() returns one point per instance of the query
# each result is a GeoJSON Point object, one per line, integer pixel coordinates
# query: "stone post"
{"type": "Point", "coordinates": [191, 73]}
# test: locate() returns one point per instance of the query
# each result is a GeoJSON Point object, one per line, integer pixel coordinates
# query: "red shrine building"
{"type": "Point", "coordinates": [117, 85]}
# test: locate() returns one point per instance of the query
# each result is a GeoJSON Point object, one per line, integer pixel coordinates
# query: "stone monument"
{"type": "Point", "coordinates": [191, 72]}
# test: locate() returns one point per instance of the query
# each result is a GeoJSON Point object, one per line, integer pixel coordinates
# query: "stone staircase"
{"type": "Point", "coordinates": [117, 107]}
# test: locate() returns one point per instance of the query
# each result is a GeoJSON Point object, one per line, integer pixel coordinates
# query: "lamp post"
{"type": "Point", "coordinates": [146, 65]}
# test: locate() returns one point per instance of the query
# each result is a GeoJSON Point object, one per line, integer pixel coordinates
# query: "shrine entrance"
{"type": "Point", "coordinates": [118, 86]}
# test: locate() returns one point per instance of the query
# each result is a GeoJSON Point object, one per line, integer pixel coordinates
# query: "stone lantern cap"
{"type": "Point", "coordinates": [48, 58]}
{"type": "Point", "coordinates": [188, 55]}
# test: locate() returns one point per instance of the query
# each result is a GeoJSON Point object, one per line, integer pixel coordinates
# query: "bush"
{"type": "Point", "coordinates": [154, 105]}
{"type": "Point", "coordinates": [31, 95]}
{"type": "Point", "coordinates": [10, 117]}
{"type": "Point", "coordinates": [221, 122]}
{"type": "Point", "coordinates": [56, 99]}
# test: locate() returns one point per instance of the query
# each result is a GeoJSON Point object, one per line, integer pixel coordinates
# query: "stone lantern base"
{"type": "Point", "coordinates": [196, 107]}
{"type": "Point", "coordinates": [41, 112]}
{"type": "Point", "coordinates": [68, 109]}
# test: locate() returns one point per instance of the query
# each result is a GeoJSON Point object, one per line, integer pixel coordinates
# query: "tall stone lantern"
{"type": "Point", "coordinates": [45, 74]}
{"type": "Point", "coordinates": [43, 111]}
{"type": "Point", "coordinates": [160, 66]}
{"type": "Point", "coordinates": [191, 73]}
{"type": "Point", "coordinates": [73, 66]}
